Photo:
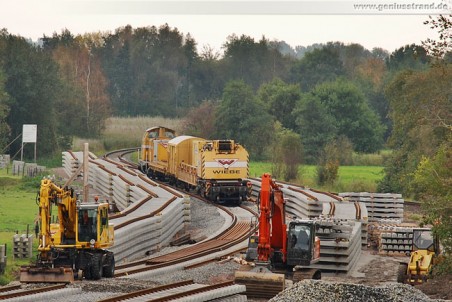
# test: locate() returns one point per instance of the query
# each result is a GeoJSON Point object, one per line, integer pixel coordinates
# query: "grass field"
{"type": "Point", "coordinates": [17, 209]}
{"type": "Point", "coordinates": [351, 178]}
{"type": "Point", "coordinates": [124, 132]}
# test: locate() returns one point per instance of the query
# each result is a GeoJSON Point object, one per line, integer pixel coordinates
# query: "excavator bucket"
{"type": "Point", "coordinates": [260, 284]}
{"type": "Point", "coordinates": [30, 274]}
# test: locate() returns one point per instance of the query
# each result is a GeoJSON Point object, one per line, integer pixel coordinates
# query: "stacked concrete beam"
{"type": "Point", "coordinates": [18, 167]}
{"type": "Point", "coordinates": [302, 202]}
{"type": "Point", "coordinates": [353, 211]}
{"type": "Point", "coordinates": [379, 205]}
{"type": "Point", "coordinates": [70, 163]}
{"type": "Point", "coordinates": [398, 240]}
{"type": "Point", "coordinates": [340, 245]}
{"type": "Point", "coordinates": [4, 160]}
{"type": "Point", "coordinates": [136, 232]}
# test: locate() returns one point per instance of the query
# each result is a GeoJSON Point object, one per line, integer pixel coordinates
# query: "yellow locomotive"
{"type": "Point", "coordinates": [216, 169]}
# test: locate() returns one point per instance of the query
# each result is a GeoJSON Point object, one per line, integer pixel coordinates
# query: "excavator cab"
{"type": "Point", "coordinates": [301, 236]}
{"type": "Point", "coordinates": [423, 240]}
{"type": "Point", "coordinates": [92, 226]}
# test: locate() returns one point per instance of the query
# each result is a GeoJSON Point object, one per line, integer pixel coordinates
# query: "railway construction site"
{"type": "Point", "coordinates": [173, 246]}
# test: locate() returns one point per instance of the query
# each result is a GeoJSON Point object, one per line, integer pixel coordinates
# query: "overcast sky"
{"type": "Point", "coordinates": [296, 22]}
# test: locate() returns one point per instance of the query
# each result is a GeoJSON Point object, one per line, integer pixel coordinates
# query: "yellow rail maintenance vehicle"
{"type": "Point", "coordinates": [78, 241]}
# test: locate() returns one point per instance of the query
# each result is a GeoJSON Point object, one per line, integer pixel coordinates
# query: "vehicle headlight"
{"type": "Point", "coordinates": [91, 242]}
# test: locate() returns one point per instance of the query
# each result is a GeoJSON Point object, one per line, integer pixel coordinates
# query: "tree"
{"type": "Point", "coordinates": [240, 117]}
{"type": "Point", "coordinates": [314, 124]}
{"type": "Point", "coordinates": [81, 71]}
{"type": "Point", "coordinates": [33, 84]}
{"type": "Point", "coordinates": [371, 77]}
{"type": "Point", "coordinates": [200, 121]}
{"type": "Point", "coordinates": [433, 184]}
{"type": "Point", "coordinates": [350, 114]}
{"type": "Point", "coordinates": [279, 100]}
{"type": "Point", "coordinates": [328, 166]}
{"type": "Point", "coordinates": [286, 153]}
{"type": "Point", "coordinates": [440, 48]}
{"type": "Point", "coordinates": [316, 67]}
{"type": "Point", "coordinates": [408, 57]}
{"type": "Point", "coordinates": [253, 62]}
{"type": "Point", "coordinates": [4, 111]}
{"type": "Point", "coordinates": [421, 113]}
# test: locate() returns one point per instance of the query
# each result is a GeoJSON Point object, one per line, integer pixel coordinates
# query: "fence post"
{"type": "Point", "coordinates": [2, 258]}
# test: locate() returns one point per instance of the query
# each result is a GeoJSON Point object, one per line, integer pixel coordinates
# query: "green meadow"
{"type": "Point", "coordinates": [17, 210]}
{"type": "Point", "coordinates": [351, 178]}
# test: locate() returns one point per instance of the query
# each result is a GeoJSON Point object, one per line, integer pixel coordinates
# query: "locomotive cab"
{"type": "Point", "coordinates": [224, 146]}
{"type": "Point", "coordinates": [154, 153]}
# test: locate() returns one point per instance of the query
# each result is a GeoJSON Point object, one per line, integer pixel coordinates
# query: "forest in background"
{"type": "Point", "coordinates": [315, 104]}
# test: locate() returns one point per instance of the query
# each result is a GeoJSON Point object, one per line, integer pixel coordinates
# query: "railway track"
{"type": "Point", "coordinates": [15, 291]}
{"type": "Point", "coordinates": [176, 291]}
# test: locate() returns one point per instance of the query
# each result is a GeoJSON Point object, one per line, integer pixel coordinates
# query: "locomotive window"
{"type": "Point", "coordinates": [224, 146]}
{"type": "Point", "coordinates": [169, 134]}
{"type": "Point", "coordinates": [153, 134]}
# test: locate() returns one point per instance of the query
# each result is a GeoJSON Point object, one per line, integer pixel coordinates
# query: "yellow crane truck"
{"type": "Point", "coordinates": [77, 241]}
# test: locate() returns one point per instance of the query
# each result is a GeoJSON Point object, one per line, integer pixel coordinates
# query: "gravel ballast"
{"type": "Point", "coordinates": [321, 291]}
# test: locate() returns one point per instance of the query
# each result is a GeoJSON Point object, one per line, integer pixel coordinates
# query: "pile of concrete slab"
{"type": "Point", "coordinates": [149, 215]}
{"type": "Point", "coordinates": [340, 244]}
{"type": "Point", "coordinates": [379, 205]}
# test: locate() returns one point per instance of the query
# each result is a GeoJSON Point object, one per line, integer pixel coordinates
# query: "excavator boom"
{"type": "Point", "coordinates": [261, 281]}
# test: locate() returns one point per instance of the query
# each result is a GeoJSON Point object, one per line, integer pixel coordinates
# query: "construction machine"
{"type": "Point", "coordinates": [77, 241]}
{"type": "Point", "coordinates": [425, 249]}
{"type": "Point", "coordinates": [278, 250]}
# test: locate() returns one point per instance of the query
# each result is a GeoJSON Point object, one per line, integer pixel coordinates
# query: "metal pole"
{"type": "Point", "coordinates": [35, 153]}
{"type": "Point", "coordinates": [22, 152]}
{"type": "Point", "coordinates": [85, 172]}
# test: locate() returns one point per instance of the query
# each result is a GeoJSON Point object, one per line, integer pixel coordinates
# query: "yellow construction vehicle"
{"type": "Point", "coordinates": [77, 241]}
{"type": "Point", "coordinates": [425, 249]}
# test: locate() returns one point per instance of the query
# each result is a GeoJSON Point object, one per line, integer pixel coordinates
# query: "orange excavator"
{"type": "Point", "coordinates": [278, 250]}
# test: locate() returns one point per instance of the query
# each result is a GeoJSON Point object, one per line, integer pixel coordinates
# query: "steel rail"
{"type": "Point", "coordinates": [9, 288]}
{"type": "Point", "coordinates": [147, 291]}
{"type": "Point", "coordinates": [31, 291]}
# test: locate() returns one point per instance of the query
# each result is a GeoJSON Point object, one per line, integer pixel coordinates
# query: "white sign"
{"type": "Point", "coordinates": [29, 133]}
